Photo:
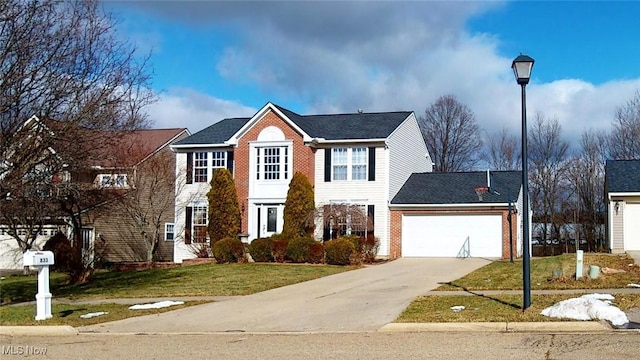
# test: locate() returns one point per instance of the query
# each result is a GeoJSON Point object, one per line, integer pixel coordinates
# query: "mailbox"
{"type": "Point", "coordinates": [38, 258]}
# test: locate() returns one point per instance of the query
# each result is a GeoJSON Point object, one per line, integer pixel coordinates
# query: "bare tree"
{"type": "Point", "coordinates": [149, 200]}
{"type": "Point", "coordinates": [62, 62]}
{"type": "Point", "coordinates": [504, 151]}
{"type": "Point", "coordinates": [452, 135]}
{"type": "Point", "coordinates": [586, 172]}
{"type": "Point", "coordinates": [624, 140]}
{"type": "Point", "coordinates": [549, 159]}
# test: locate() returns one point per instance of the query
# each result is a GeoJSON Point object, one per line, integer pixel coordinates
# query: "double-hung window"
{"type": "Point", "coordinates": [205, 163]}
{"type": "Point", "coordinates": [349, 163]}
{"type": "Point", "coordinates": [200, 166]}
{"type": "Point", "coordinates": [169, 229]}
{"type": "Point", "coordinates": [200, 221]}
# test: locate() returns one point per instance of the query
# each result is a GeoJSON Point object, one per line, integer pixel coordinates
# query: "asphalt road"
{"type": "Point", "coordinates": [366, 345]}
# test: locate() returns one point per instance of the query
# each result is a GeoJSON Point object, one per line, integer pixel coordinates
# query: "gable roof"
{"type": "Point", "coordinates": [458, 188]}
{"type": "Point", "coordinates": [355, 126]}
{"type": "Point", "coordinates": [623, 176]}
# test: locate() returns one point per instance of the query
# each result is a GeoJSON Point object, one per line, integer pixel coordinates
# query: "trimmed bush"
{"type": "Point", "coordinates": [224, 212]}
{"type": "Point", "coordinates": [299, 207]}
{"type": "Point", "coordinates": [228, 250]}
{"type": "Point", "coordinates": [316, 253]}
{"type": "Point", "coordinates": [338, 251]}
{"type": "Point", "coordinates": [298, 248]}
{"type": "Point", "coordinates": [369, 247]}
{"type": "Point", "coordinates": [279, 246]}
{"type": "Point", "coordinates": [260, 250]}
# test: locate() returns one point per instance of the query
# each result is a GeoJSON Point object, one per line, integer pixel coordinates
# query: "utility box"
{"type": "Point", "coordinates": [38, 258]}
{"type": "Point", "coordinates": [42, 260]}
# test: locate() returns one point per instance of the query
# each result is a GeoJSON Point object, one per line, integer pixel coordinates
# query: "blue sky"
{"type": "Point", "coordinates": [213, 60]}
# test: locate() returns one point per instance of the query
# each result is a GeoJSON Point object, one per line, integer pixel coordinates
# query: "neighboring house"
{"type": "Point", "coordinates": [354, 161]}
{"type": "Point", "coordinates": [144, 172]}
{"type": "Point", "coordinates": [459, 214]}
{"type": "Point", "coordinates": [622, 195]}
{"type": "Point", "coordinates": [119, 167]}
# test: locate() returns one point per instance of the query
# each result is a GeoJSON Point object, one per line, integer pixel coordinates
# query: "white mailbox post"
{"type": "Point", "coordinates": [42, 260]}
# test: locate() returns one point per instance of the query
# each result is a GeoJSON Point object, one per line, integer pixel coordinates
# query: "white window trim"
{"type": "Point", "coordinates": [350, 163]}
{"type": "Point", "coordinates": [209, 165]}
{"type": "Point", "coordinates": [286, 165]}
{"type": "Point", "coordinates": [172, 232]}
{"type": "Point", "coordinates": [112, 181]}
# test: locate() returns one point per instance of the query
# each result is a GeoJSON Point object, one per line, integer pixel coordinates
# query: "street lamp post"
{"type": "Point", "coordinates": [522, 66]}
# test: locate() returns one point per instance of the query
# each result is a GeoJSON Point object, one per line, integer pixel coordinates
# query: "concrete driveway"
{"type": "Point", "coordinates": [359, 300]}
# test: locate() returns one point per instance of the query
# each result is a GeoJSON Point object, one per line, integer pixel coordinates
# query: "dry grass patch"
{"type": "Point", "coordinates": [499, 308]}
{"type": "Point", "coordinates": [504, 275]}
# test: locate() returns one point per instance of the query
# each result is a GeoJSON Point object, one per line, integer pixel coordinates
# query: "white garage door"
{"type": "Point", "coordinates": [445, 235]}
{"type": "Point", "coordinates": [632, 227]}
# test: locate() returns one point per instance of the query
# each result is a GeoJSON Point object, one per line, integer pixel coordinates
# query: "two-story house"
{"type": "Point", "coordinates": [358, 160]}
{"type": "Point", "coordinates": [115, 178]}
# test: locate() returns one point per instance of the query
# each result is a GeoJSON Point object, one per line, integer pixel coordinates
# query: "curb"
{"type": "Point", "coordinates": [62, 330]}
{"type": "Point", "coordinates": [565, 326]}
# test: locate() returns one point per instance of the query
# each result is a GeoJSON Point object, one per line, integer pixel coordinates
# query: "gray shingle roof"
{"type": "Point", "coordinates": [217, 133]}
{"type": "Point", "coordinates": [330, 127]}
{"type": "Point", "coordinates": [623, 175]}
{"type": "Point", "coordinates": [458, 188]}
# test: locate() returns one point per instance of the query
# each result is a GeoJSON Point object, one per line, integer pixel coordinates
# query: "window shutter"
{"type": "Point", "coordinates": [327, 165]}
{"type": "Point", "coordinates": [370, 220]}
{"type": "Point", "coordinates": [230, 161]}
{"type": "Point", "coordinates": [189, 168]}
{"type": "Point", "coordinates": [326, 233]}
{"type": "Point", "coordinates": [372, 164]}
{"type": "Point", "coordinates": [188, 216]}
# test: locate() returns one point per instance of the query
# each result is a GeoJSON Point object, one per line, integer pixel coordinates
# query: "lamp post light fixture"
{"type": "Point", "coordinates": [522, 66]}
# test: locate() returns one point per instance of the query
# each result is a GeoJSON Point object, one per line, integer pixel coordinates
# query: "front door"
{"type": "Point", "coordinates": [269, 219]}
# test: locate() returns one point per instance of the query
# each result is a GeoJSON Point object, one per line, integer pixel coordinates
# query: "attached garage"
{"type": "Point", "coordinates": [632, 227]}
{"type": "Point", "coordinates": [442, 215]}
{"type": "Point", "coordinates": [452, 235]}
{"type": "Point", "coordinates": [622, 186]}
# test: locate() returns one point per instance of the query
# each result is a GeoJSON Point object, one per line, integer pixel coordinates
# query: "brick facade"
{"type": "Point", "coordinates": [303, 157]}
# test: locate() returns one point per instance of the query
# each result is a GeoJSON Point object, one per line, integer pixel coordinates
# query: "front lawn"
{"type": "Point", "coordinates": [498, 308]}
{"type": "Point", "coordinates": [69, 314]}
{"type": "Point", "coordinates": [504, 275]}
{"type": "Point", "coordinates": [196, 280]}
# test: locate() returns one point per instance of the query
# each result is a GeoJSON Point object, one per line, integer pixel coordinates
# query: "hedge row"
{"type": "Point", "coordinates": [345, 250]}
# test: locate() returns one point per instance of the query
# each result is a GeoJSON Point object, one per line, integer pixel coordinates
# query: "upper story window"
{"type": "Point", "coordinates": [349, 163]}
{"type": "Point", "coordinates": [201, 165]}
{"type": "Point", "coordinates": [118, 181]}
{"type": "Point", "coordinates": [272, 163]}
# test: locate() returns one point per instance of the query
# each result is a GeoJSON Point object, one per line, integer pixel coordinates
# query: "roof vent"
{"type": "Point", "coordinates": [360, 111]}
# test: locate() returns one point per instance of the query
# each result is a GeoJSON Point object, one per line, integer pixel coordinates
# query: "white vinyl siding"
{"type": "Point", "coordinates": [364, 192]}
{"type": "Point", "coordinates": [407, 154]}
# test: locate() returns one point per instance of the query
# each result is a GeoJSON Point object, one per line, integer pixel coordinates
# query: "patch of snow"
{"type": "Point", "coordinates": [457, 308]}
{"type": "Point", "coordinates": [588, 307]}
{"type": "Point", "coordinates": [633, 285]}
{"type": "Point", "coordinates": [156, 305]}
{"type": "Point", "coordinates": [94, 314]}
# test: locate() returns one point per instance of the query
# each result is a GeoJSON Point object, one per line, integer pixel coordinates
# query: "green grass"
{"type": "Point", "coordinates": [499, 308]}
{"type": "Point", "coordinates": [196, 280]}
{"type": "Point", "coordinates": [69, 314]}
{"type": "Point", "coordinates": [504, 275]}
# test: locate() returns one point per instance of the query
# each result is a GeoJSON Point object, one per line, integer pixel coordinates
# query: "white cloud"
{"type": "Point", "coordinates": [376, 56]}
{"type": "Point", "coordinates": [187, 108]}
